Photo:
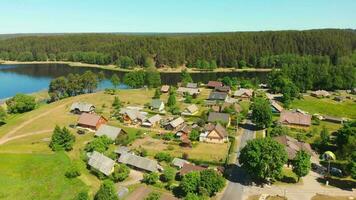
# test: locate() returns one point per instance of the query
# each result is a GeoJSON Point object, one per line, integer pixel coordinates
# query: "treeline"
{"type": "Point", "coordinates": [240, 49]}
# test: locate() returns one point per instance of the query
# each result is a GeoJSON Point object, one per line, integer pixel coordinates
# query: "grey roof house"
{"type": "Point", "coordinates": [152, 121]}
{"type": "Point", "coordinates": [220, 96]}
{"type": "Point", "coordinates": [174, 124]}
{"type": "Point", "coordinates": [219, 117]}
{"type": "Point", "coordinates": [190, 110]}
{"type": "Point", "coordinates": [101, 163]}
{"type": "Point", "coordinates": [139, 162]}
{"type": "Point", "coordinates": [157, 104]}
{"type": "Point", "coordinates": [110, 131]}
{"type": "Point", "coordinates": [178, 162]}
{"type": "Point", "coordinates": [80, 107]}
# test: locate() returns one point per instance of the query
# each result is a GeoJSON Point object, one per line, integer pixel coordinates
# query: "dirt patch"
{"type": "Point", "coordinates": [326, 197]}
{"type": "Point", "coordinates": [139, 193]}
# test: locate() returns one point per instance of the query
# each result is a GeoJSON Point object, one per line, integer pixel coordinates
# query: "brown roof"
{"type": "Point", "coordinates": [190, 168]}
{"type": "Point", "coordinates": [295, 118]}
{"type": "Point", "coordinates": [215, 84]}
{"type": "Point", "coordinates": [224, 88]}
{"type": "Point", "coordinates": [292, 146]}
{"type": "Point", "coordinates": [218, 128]}
{"type": "Point", "coordinates": [89, 119]}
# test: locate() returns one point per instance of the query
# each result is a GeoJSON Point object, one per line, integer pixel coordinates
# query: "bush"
{"type": "Point", "coordinates": [153, 196]}
{"type": "Point", "coordinates": [169, 174]}
{"type": "Point", "coordinates": [72, 172]}
{"type": "Point", "coordinates": [121, 172]}
{"type": "Point", "coordinates": [163, 156]}
{"type": "Point", "coordinates": [194, 135]}
{"type": "Point", "coordinates": [82, 196]}
{"type": "Point", "coordinates": [150, 178]}
{"type": "Point", "coordinates": [99, 144]}
{"type": "Point", "coordinates": [168, 136]}
{"type": "Point", "coordinates": [279, 130]}
{"type": "Point", "coordinates": [20, 103]}
{"type": "Point", "coordinates": [106, 192]}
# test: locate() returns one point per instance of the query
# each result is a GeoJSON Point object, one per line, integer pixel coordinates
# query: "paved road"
{"type": "Point", "coordinates": [239, 178]}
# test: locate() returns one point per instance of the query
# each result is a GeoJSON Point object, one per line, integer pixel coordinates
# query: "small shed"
{"type": "Point", "coordinates": [190, 110]}
{"type": "Point", "coordinates": [178, 162]}
{"type": "Point", "coordinates": [82, 107]}
{"type": "Point", "coordinates": [218, 96]}
{"type": "Point", "coordinates": [157, 104]}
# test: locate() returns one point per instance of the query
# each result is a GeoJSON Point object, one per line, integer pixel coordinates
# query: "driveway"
{"type": "Point", "coordinates": [238, 177]}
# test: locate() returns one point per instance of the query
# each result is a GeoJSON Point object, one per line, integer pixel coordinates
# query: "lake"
{"type": "Point", "coordinates": [29, 78]}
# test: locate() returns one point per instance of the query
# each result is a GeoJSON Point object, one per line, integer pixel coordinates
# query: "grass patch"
{"type": "Point", "coordinates": [326, 197]}
{"type": "Point", "coordinates": [37, 176]}
{"type": "Point", "coordinates": [288, 176]}
{"type": "Point", "coordinates": [326, 106]}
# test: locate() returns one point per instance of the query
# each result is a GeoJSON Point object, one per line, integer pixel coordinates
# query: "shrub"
{"type": "Point", "coordinates": [99, 144]}
{"type": "Point", "coordinates": [20, 103]}
{"type": "Point", "coordinates": [82, 196]}
{"type": "Point", "coordinates": [169, 174]}
{"type": "Point", "coordinates": [150, 178]}
{"type": "Point", "coordinates": [72, 172]}
{"type": "Point", "coordinates": [121, 172]}
{"type": "Point", "coordinates": [279, 130]}
{"type": "Point", "coordinates": [168, 136]}
{"type": "Point", "coordinates": [106, 192]}
{"type": "Point", "coordinates": [163, 156]}
{"type": "Point", "coordinates": [153, 196]}
{"type": "Point", "coordinates": [194, 135]}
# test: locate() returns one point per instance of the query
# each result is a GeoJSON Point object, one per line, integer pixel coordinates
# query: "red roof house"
{"type": "Point", "coordinates": [91, 121]}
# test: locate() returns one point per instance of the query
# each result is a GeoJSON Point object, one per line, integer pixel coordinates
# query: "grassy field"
{"type": "Point", "coordinates": [326, 106]}
{"type": "Point", "coordinates": [37, 176]}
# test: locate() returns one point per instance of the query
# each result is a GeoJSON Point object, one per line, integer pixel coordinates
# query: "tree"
{"type": "Point", "coordinates": [117, 103]}
{"type": "Point", "coordinates": [150, 178]}
{"type": "Point", "coordinates": [2, 114]}
{"type": "Point", "coordinates": [90, 81]}
{"type": "Point", "coordinates": [153, 196]}
{"type": "Point", "coordinates": [185, 76]}
{"type": "Point", "coordinates": [169, 174]}
{"type": "Point", "coordinates": [157, 94]}
{"type": "Point", "coordinates": [82, 196]}
{"type": "Point", "coordinates": [188, 98]}
{"type": "Point", "coordinates": [115, 80]}
{"type": "Point", "coordinates": [278, 131]}
{"type": "Point", "coordinates": [163, 156]}
{"type": "Point", "coordinates": [324, 135]}
{"type": "Point", "coordinates": [194, 135]}
{"type": "Point", "coordinates": [72, 172]}
{"type": "Point", "coordinates": [20, 103]}
{"type": "Point", "coordinates": [172, 98]}
{"type": "Point", "coordinates": [149, 62]}
{"type": "Point", "coordinates": [62, 139]}
{"type": "Point", "coordinates": [106, 191]}
{"type": "Point", "coordinates": [346, 140]}
{"type": "Point", "coordinates": [263, 158]}
{"type": "Point", "coordinates": [301, 164]}
{"type": "Point", "coordinates": [153, 77]}
{"type": "Point", "coordinates": [190, 182]}
{"type": "Point", "coordinates": [261, 112]}
{"type": "Point", "coordinates": [121, 172]}
{"type": "Point", "coordinates": [101, 76]}
{"type": "Point", "coordinates": [125, 62]}
{"type": "Point", "coordinates": [192, 196]}
{"type": "Point", "coordinates": [99, 144]}
{"type": "Point", "coordinates": [211, 181]}
{"type": "Point", "coordinates": [135, 79]}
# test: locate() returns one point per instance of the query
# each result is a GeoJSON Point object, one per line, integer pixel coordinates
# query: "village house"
{"type": "Point", "coordinates": [187, 167]}
{"type": "Point", "coordinates": [132, 116]}
{"type": "Point", "coordinates": [185, 141]}
{"type": "Point", "coordinates": [122, 150]}
{"type": "Point", "coordinates": [276, 108]}
{"type": "Point", "coordinates": [110, 131]}
{"type": "Point", "coordinates": [165, 88]}
{"type": "Point", "coordinates": [320, 94]}
{"type": "Point", "coordinates": [218, 96]}
{"type": "Point", "coordinates": [191, 91]}
{"type": "Point", "coordinates": [225, 89]}
{"type": "Point", "coordinates": [219, 117]}
{"type": "Point", "coordinates": [174, 124]}
{"type": "Point", "coordinates": [157, 105]}
{"type": "Point", "coordinates": [214, 84]}
{"type": "Point", "coordinates": [295, 119]}
{"type": "Point", "coordinates": [190, 110]}
{"type": "Point", "coordinates": [292, 146]}
{"type": "Point", "coordinates": [331, 119]}
{"type": "Point", "coordinates": [101, 163]}
{"type": "Point", "coordinates": [178, 162]}
{"type": "Point", "coordinates": [183, 129]}
{"type": "Point", "coordinates": [243, 93]}
{"type": "Point", "coordinates": [214, 134]}
{"type": "Point", "coordinates": [82, 107]}
{"type": "Point", "coordinates": [91, 121]}
{"type": "Point", "coordinates": [139, 162]}
{"type": "Point", "coordinates": [192, 85]}
{"type": "Point", "coordinates": [153, 121]}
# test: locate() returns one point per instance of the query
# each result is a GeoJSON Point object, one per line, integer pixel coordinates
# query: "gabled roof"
{"type": "Point", "coordinates": [217, 96]}
{"type": "Point", "coordinates": [184, 128]}
{"type": "Point", "coordinates": [192, 85]}
{"type": "Point", "coordinates": [296, 118]}
{"type": "Point", "coordinates": [214, 84]}
{"type": "Point", "coordinates": [139, 162]}
{"type": "Point", "coordinates": [192, 108]}
{"type": "Point", "coordinates": [187, 167]}
{"type": "Point", "coordinates": [110, 131]}
{"type": "Point", "coordinates": [292, 146]}
{"type": "Point", "coordinates": [323, 93]}
{"type": "Point", "coordinates": [102, 163]}
{"type": "Point", "coordinates": [275, 105]}
{"type": "Point", "coordinates": [133, 114]}
{"type": "Point", "coordinates": [121, 150]}
{"type": "Point", "coordinates": [154, 119]}
{"type": "Point", "coordinates": [218, 128]}
{"type": "Point", "coordinates": [82, 106]}
{"type": "Point", "coordinates": [178, 162]}
{"type": "Point", "coordinates": [156, 103]}
{"type": "Point", "coordinates": [224, 88]}
{"type": "Point", "coordinates": [89, 119]}
{"type": "Point", "coordinates": [191, 91]}
{"type": "Point", "coordinates": [176, 122]}
{"type": "Point", "coordinates": [243, 92]}
{"type": "Point", "coordinates": [218, 117]}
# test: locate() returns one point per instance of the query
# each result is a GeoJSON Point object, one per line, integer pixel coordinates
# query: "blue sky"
{"type": "Point", "coordinates": [50, 16]}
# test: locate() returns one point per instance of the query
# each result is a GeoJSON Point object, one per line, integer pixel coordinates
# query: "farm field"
{"type": "Point", "coordinates": [326, 106]}
{"type": "Point", "coordinates": [37, 176]}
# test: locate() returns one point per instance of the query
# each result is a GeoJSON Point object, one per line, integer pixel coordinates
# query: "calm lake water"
{"type": "Point", "coordinates": [29, 78]}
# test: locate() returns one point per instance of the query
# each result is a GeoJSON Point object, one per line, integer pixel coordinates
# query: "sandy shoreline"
{"type": "Point", "coordinates": [115, 68]}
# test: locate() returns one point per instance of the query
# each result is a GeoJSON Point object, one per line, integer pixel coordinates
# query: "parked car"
{"type": "Point", "coordinates": [336, 172]}
{"type": "Point", "coordinates": [81, 131]}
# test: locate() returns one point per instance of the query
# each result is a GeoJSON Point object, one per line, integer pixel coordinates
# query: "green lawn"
{"type": "Point", "coordinates": [37, 176]}
{"type": "Point", "coordinates": [326, 106]}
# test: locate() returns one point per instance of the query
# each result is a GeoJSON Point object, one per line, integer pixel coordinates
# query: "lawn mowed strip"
{"type": "Point", "coordinates": [37, 176]}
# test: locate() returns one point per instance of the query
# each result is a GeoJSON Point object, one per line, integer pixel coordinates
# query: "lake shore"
{"type": "Point", "coordinates": [115, 68]}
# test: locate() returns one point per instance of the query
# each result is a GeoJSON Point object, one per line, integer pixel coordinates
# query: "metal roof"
{"type": "Point", "coordinates": [102, 163]}
{"type": "Point", "coordinates": [110, 131]}
{"type": "Point", "coordinates": [139, 162]}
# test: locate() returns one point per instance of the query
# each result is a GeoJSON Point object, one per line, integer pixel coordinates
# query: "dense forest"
{"type": "Point", "coordinates": [239, 49]}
